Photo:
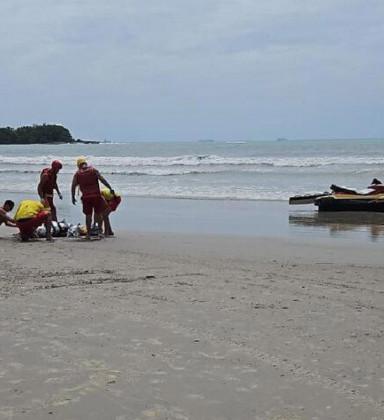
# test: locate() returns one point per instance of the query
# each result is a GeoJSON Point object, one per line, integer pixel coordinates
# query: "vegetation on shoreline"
{"type": "Point", "coordinates": [38, 134]}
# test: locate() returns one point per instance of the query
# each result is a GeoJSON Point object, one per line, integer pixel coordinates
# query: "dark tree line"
{"type": "Point", "coordinates": [46, 133]}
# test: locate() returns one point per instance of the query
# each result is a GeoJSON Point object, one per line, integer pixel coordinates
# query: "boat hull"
{"type": "Point", "coordinates": [349, 204]}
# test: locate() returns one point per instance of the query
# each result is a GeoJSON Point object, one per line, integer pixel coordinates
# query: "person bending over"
{"type": "Point", "coordinates": [87, 178]}
{"type": "Point", "coordinates": [4, 218]}
{"type": "Point", "coordinates": [113, 201]}
{"type": "Point", "coordinates": [47, 185]}
{"type": "Point", "coordinates": [30, 215]}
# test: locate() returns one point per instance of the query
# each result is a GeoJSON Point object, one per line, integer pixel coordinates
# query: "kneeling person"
{"type": "Point", "coordinates": [4, 218]}
{"type": "Point", "coordinates": [29, 216]}
{"type": "Point", "coordinates": [113, 200]}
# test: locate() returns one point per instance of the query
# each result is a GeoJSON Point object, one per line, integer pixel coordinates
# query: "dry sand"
{"type": "Point", "coordinates": [160, 326]}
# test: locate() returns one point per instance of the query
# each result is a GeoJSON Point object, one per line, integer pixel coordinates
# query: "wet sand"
{"type": "Point", "coordinates": [170, 326]}
{"type": "Point", "coordinates": [275, 219]}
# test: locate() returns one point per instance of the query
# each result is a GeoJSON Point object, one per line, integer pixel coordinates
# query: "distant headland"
{"type": "Point", "coordinates": [39, 134]}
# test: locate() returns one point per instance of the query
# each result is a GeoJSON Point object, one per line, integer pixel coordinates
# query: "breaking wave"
{"type": "Point", "coordinates": [197, 161]}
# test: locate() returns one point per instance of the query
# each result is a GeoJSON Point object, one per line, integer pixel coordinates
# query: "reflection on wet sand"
{"type": "Point", "coordinates": [336, 222]}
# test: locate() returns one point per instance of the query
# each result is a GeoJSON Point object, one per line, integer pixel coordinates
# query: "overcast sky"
{"type": "Point", "coordinates": [184, 70]}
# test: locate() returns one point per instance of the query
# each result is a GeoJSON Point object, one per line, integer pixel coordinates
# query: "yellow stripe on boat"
{"type": "Point", "coordinates": [358, 197]}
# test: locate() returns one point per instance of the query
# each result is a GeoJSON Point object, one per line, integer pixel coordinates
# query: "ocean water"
{"type": "Point", "coordinates": [260, 170]}
{"type": "Point", "coordinates": [236, 188]}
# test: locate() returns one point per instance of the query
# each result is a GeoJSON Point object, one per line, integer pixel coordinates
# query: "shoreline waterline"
{"type": "Point", "coordinates": [242, 218]}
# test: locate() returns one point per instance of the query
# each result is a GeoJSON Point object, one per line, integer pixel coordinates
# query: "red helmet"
{"type": "Point", "coordinates": [56, 165]}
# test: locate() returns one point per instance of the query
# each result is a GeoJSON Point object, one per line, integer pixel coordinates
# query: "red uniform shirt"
{"type": "Point", "coordinates": [50, 179]}
{"type": "Point", "coordinates": [88, 182]}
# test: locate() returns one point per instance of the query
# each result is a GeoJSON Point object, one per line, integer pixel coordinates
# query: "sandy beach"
{"type": "Point", "coordinates": [170, 326]}
{"type": "Point", "coordinates": [237, 149]}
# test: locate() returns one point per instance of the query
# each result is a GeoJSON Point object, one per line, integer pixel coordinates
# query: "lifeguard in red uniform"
{"type": "Point", "coordinates": [113, 201]}
{"type": "Point", "coordinates": [87, 178]}
{"type": "Point", "coordinates": [47, 185]}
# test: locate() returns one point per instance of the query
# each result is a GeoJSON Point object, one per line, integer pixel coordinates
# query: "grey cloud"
{"type": "Point", "coordinates": [126, 62]}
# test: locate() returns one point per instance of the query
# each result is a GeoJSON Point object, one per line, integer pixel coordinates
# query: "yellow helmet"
{"type": "Point", "coordinates": [106, 193]}
{"type": "Point", "coordinates": [80, 161]}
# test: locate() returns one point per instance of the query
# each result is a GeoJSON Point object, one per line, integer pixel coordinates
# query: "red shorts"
{"type": "Point", "coordinates": [114, 203]}
{"type": "Point", "coordinates": [96, 204]}
{"type": "Point", "coordinates": [28, 226]}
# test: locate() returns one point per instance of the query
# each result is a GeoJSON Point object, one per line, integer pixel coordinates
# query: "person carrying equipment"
{"type": "Point", "coordinates": [87, 178]}
{"type": "Point", "coordinates": [47, 185]}
{"type": "Point", "coordinates": [30, 215]}
{"type": "Point", "coordinates": [113, 201]}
